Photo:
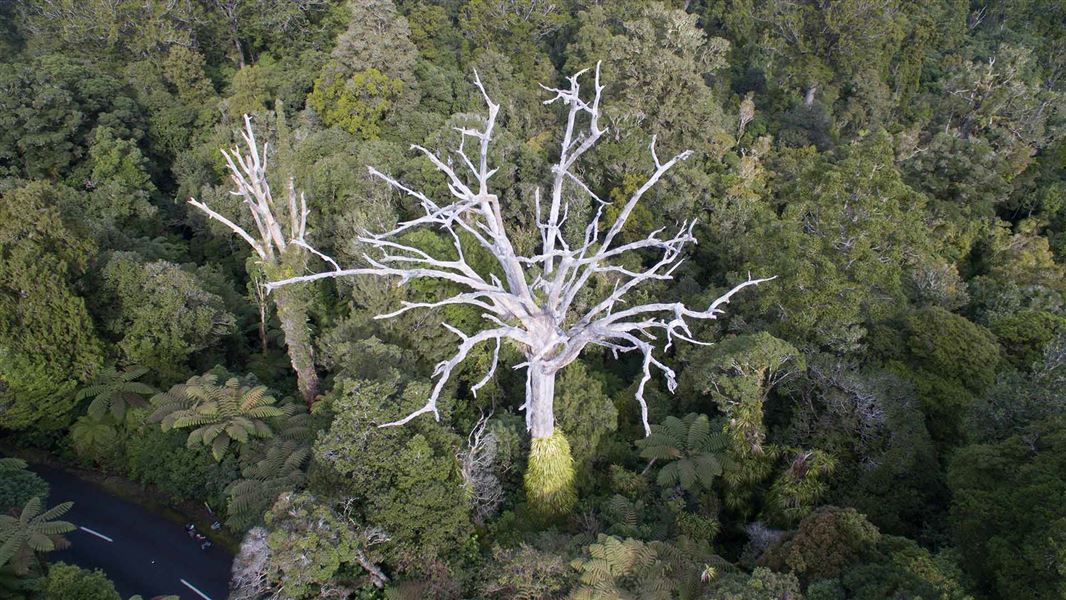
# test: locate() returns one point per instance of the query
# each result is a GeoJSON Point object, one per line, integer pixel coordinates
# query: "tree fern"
{"type": "Point", "coordinates": [624, 516]}
{"type": "Point", "coordinates": [693, 449]}
{"type": "Point", "coordinates": [217, 414]}
{"type": "Point", "coordinates": [614, 568]}
{"type": "Point", "coordinates": [34, 530]}
{"type": "Point", "coordinates": [115, 391]}
{"type": "Point", "coordinates": [280, 469]}
{"type": "Point", "coordinates": [94, 438]}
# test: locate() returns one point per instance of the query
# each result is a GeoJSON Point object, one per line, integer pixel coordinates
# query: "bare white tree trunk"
{"type": "Point", "coordinates": [541, 396]}
{"type": "Point", "coordinates": [534, 306]}
{"type": "Point", "coordinates": [808, 97]}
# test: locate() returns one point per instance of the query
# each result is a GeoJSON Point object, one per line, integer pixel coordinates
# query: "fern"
{"type": "Point", "coordinates": [693, 449]}
{"type": "Point", "coordinates": [93, 438]}
{"type": "Point", "coordinates": [33, 530]}
{"type": "Point", "coordinates": [115, 391]}
{"type": "Point", "coordinates": [279, 468]}
{"type": "Point", "coordinates": [218, 414]}
{"type": "Point", "coordinates": [624, 516]}
{"type": "Point", "coordinates": [621, 569]}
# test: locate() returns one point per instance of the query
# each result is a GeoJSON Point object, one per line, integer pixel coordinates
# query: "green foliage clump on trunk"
{"type": "Point", "coordinates": [549, 478]}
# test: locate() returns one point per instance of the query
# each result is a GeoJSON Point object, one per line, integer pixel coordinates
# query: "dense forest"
{"type": "Point", "coordinates": [206, 207]}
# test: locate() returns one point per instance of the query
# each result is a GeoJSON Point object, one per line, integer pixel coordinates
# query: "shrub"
{"type": "Point", "coordinates": [314, 545]}
{"type": "Point", "coordinates": [1025, 334]}
{"type": "Point", "coordinates": [69, 582]}
{"type": "Point", "coordinates": [900, 568]}
{"type": "Point", "coordinates": [762, 584]}
{"type": "Point", "coordinates": [359, 104]}
{"type": "Point", "coordinates": [953, 348]}
{"type": "Point", "coordinates": [1007, 514]}
{"type": "Point", "coordinates": [828, 541]}
{"type": "Point", "coordinates": [162, 459]}
{"type": "Point", "coordinates": [17, 485]}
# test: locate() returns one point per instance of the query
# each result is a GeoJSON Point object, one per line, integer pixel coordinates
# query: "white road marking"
{"type": "Point", "coordinates": [198, 592]}
{"type": "Point", "coordinates": [96, 533]}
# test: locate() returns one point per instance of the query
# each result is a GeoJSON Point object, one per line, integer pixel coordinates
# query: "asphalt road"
{"type": "Point", "coordinates": [141, 552]}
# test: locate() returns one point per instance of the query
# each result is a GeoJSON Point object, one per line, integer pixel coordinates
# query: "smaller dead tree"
{"type": "Point", "coordinates": [281, 253]}
{"type": "Point", "coordinates": [477, 463]}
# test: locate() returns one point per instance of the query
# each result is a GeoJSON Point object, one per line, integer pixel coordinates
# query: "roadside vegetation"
{"type": "Point", "coordinates": [454, 299]}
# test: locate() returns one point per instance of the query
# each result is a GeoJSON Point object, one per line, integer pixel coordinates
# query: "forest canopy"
{"type": "Point", "coordinates": [719, 299]}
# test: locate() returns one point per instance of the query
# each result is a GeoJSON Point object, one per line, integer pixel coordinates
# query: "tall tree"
{"type": "Point", "coordinates": [552, 304]}
{"type": "Point", "coordinates": [279, 255]}
{"type": "Point", "coordinates": [161, 313]}
{"type": "Point", "coordinates": [48, 344]}
{"type": "Point", "coordinates": [370, 79]}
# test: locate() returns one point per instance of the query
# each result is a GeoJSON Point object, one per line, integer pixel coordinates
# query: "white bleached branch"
{"type": "Point", "coordinates": [444, 369]}
{"type": "Point", "coordinates": [247, 168]}
{"type": "Point", "coordinates": [478, 464]}
{"type": "Point", "coordinates": [259, 249]}
{"type": "Point", "coordinates": [492, 370]}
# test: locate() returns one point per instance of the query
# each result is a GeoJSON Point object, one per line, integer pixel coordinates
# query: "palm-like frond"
{"type": "Point", "coordinates": [279, 469]}
{"type": "Point", "coordinates": [691, 446]}
{"type": "Point", "coordinates": [294, 423]}
{"type": "Point", "coordinates": [610, 562]}
{"type": "Point", "coordinates": [34, 530]}
{"type": "Point", "coordinates": [93, 437]}
{"type": "Point", "coordinates": [167, 405]}
{"type": "Point", "coordinates": [218, 414]}
{"type": "Point", "coordinates": [115, 391]}
{"type": "Point", "coordinates": [218, 446]}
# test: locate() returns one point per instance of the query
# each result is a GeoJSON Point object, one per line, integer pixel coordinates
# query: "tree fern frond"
{"type": "Point", "coordinates": [262, 430]}
{"type": "Point", "coordinates": [39, 542]}
{"type": "Point", "coordinates": [686, 474]}
{"type": "Point", "coordinates": [91, 390]}
{"type": "Point", "coordinates": [134, 372]}
{"type": "Point", "coordinates": [10, 548]}
{"type": "Point", "coordinates": [31, 509]}
{"type": "Point", "coordinates": [137, 387]}
{"type": "Point", "coordinates": [56, 527]}
{"type": "Point", "coordinates": [189, 419]}
{"type": "Point", "coordinates": [254, 397]}
{"type": "Point", "coordinates": [697, 437]}
{"type": "Point", "coordinates": [237, 431]}
{"type": "Point", "coordinates": [219, 446]}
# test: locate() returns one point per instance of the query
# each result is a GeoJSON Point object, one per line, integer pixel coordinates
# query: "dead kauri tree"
{"type": "Point", "coordinates": [536, 305]}
{"type": "Point", "coordinates": [278, 231]}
